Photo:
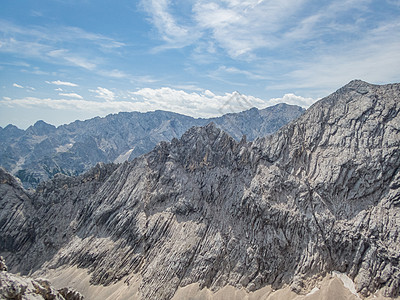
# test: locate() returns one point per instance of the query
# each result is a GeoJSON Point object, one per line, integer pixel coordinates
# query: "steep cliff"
{"type": "Point", "coordinates": [320, 195]}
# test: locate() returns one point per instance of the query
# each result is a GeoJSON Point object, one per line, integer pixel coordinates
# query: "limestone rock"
{"type": "Point", "coordinates": [320, 195]}
{"type": "Point", "coordinates": [3, 266]}
{"type": "Point", "coordinates": [24, 288]}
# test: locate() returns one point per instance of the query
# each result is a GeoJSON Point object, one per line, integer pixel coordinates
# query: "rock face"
{"type": "Point", "coordinates": [23, 288]}
{"type": "Point", "coordinates": [320, 195]}
{"type": "Point", "coordinates": [43, 150]}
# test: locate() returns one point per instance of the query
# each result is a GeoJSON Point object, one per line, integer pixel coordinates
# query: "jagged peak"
{"type": "Point", "coordinates": [357, 82]}
{"type": "Point", "coordinates": [11, 127]}
{"type": "Point", "coordinates": [41, 128]}
{"type": "Point", "coordinates": [7, 178]}
{"type": "Point", "coordinates": [206, 146]}
{"type": "Point", "coordinates": [209, 132]}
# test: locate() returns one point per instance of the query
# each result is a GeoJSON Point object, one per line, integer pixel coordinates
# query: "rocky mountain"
{"type": "Point", "coordinates": [41, 151]}
{"type": "Point", "coordinates": [320, 195]}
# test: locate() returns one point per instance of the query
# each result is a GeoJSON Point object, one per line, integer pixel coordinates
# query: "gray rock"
{"type": "Point", "coordinates": [41, 151]}
{"type": "Point", "coordinates": [320, 195]}
{"type": "Point", "coordinates": [3, 266]}
{"type": "Point", "coordinates": [24, 288]}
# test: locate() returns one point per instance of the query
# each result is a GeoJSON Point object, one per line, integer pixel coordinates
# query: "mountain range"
{"type": "Point", "coordinates": [41, 151]}
{"type": "Point", "coordinates": [207, 214]}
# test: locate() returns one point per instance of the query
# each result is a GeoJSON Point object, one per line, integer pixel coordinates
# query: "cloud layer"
{"type": "Point", "coordinates": [196, 104]}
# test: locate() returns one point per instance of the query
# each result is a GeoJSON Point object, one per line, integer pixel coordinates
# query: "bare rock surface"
{"type": "Point", "coordinates": [320, 195]}
{"type": "Point", "coordinates": [23, 288]}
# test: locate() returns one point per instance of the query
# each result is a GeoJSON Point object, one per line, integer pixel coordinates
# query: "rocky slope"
{"type": "Point", "coordinates": [320, 195]}
{"type": "Point", "coordinates": [43, 150]}
{"type": "Point", "coordinates": [23, 288]}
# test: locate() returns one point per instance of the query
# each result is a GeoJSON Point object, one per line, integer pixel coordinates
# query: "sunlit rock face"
{"type": "Point", "coordinates": [322, 194]}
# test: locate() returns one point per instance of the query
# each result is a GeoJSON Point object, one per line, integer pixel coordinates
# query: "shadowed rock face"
{"type": "Point", "coordinates": [41, 151]}
{"type": "Point", "coordinates": [321, 194]}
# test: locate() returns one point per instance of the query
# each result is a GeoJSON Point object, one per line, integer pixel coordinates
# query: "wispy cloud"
{"type": "Point", "coordinates": [104, 93]}
{"type": "Point", "coordinates": [292, 30]}
{"type": "Point", "coordinates": [59, 82]}
{"type": "Point", "coordinates": [63, 45]}
{"type": "Point", "coordinates": [175, 35]}
{"type": "Point", "coordinates": [114, 73]}
{"type": "Point", "coordinates": [71, 95]}
{"type": "Point", "coordinates": [72, 59]}
{"type": "Point", "coordinates": [238, 27]}
{"type": "Point", "coordinates": [374, 58]}
{"type": "Point", "coordinates": [223, 70]}
{"type": "Point", "coordinates": [29, 88]}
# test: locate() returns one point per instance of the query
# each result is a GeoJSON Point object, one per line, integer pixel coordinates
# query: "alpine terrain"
{"type": "Point", "coordinates": [41, 151]}
{"type": "Point", "coordinates": [207, 214]}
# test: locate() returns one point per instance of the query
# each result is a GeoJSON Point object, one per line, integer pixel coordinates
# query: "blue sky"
{"type": "Point", "coordinates": [63, 60]}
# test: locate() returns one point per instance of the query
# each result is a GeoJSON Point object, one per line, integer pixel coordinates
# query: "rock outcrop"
{"type": "Point", "coordinates": [24, 288]}
{"type": "Point", "coordinates": [320, 195]}
{"type": "Point", "coordinates": [42, 151]}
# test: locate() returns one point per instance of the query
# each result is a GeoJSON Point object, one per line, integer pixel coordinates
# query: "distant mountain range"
{"type": "Point", "coordinates": [43, 150]}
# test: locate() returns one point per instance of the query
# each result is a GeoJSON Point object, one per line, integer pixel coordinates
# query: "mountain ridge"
{"type": "Point", "coordinates": [44, 150]}
{"type": "Point", "coordinates": [319, 195]}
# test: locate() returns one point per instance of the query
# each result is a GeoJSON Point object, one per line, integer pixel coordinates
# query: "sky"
{"type": "Point", "coordinates": [62, 60]}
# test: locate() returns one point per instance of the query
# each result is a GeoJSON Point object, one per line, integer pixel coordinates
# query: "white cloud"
{"type": "Point", "coordinates": [375, 58]}
{"type": "Point", "coordinates": [73, 59]}
{"type": "Point", "coordinates": [68, 104]}
{"type": "Point", "coordinates": [208, 93]}
{"type": "Point", "coordinates": [197, 104]}
{"type": "Point", "coordinates": [254, 29]}
{"type": "Point", "coordinates": [104, 93]}
{"type": "Point", "coordinates": [293, 99]}
{"type": "Point", "coordinates": [206, 104]}
{"type": "Point", "coordinates": [80, 46]}
{"type": "Point", "coordinates": [76, 33]}
{"type": "Point", "coordinates": [56, 34]}
{"type": "Point", "coordinates": [171, 32]}
{"type": "Point", "coordinates": [71, 95]}
{"type": "Point", "coordinates": [233, 70]}
{"type": "Point", "coordinates": [115, 73]}
{"type": "Point", "coordinates": [239, 27]}
{"type": "Point", "coordinates": [17, 86]}
{"type": "Point", "coordinates": [59, 82]}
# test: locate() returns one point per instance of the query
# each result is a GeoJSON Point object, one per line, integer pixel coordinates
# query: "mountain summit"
{"type": "Point", "coordinates": [321, 195]}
